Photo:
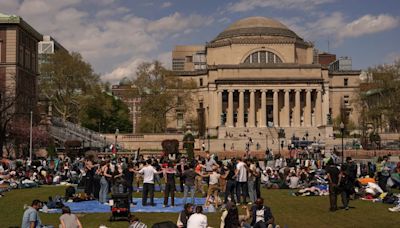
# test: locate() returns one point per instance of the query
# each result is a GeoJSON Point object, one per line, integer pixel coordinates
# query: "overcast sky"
{"type": "Point", "coordinates": [116, 35]}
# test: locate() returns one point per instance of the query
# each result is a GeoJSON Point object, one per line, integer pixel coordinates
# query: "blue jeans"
{"type": "Point", "coordinates": [230, 190]}
{"type": "Point", "coordinates": [103, 190]}
{"type": "Point", "coordinates": [252, 191]}
{"type": "Point", "coordinates": [185, 193]}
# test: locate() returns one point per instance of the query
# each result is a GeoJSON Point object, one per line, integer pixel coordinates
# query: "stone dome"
{"type": "Point", "coordinates": [256, 26]}
{"type": "Point", "coordinates": [255, 22]}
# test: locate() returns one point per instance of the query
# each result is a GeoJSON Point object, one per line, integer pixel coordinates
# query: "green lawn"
{"type": "Point", "coordinates": [288, 210]}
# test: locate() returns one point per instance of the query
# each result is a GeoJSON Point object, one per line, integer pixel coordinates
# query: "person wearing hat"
{"type": "Point", "coordinates": [262, 216]}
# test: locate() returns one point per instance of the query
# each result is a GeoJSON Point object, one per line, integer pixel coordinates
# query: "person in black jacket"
{"type": "Point", "coordinates": [333, 181]}
{"type": "Point", "coordinates": [261, 215]}
{"type": "Point", "coordinates": [184, 215]}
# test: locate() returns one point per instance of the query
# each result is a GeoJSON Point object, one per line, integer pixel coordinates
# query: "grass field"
{"type": "Point", "coordinates": [289, 211]}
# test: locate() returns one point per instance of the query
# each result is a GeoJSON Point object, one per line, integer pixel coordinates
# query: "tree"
{"type": "Point", "coordinates": [104, 112]}
{"type": "Point", "coordinates": [67, 80]}
{"type": "Point", "coordinates": [7, 102]}
{"type": "Point", "coordinates": [161, 93]}
{"type": "Point", "coordinates": [19, 131]}
{"type": "Point", "coordinates": [379, 97]}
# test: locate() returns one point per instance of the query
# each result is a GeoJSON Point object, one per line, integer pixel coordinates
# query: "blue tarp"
{"type": "Point", "coordinates": [95, 206]}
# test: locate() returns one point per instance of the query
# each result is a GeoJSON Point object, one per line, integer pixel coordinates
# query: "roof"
{"type": "Point", "coordinates": [255, 22]}
{"type": "Point", "coordinates": [13, 19]}
{"type": "Point", "coordinates": [256, 26]}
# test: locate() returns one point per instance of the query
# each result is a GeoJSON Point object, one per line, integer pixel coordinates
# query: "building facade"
{"type": "Point", "coordinates": [259, 75]}
{"type": "Point", "coordinates": [19, 63]}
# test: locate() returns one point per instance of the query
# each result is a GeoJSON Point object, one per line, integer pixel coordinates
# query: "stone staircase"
{"type": "Point", "coordinates": [266, 137]}
{"type": "Point", "coordinates": [64, 131]}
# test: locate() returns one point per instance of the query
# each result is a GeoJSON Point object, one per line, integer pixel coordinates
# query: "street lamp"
{"type": "Point", "coordinates": [116, 138]}
{"type": "Point", "coordinates": [208, 138]}
{"type": "Point", "coordinates": [342, 131]}
{"type": "Point", "coordinates": [30, 138]}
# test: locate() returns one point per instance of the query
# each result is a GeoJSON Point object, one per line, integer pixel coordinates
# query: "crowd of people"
{"type": "Point", "coordinates": [225, 183]}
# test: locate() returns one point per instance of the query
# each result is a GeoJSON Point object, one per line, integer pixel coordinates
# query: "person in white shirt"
{"type": "Point", "coordinates": [241, 184]}
{"type": "Point", "coordinates": [148, 172]}
{"type": "Point", "coordinates": [213, 187]}
{"type": "Point", "coordinates": [198, 219]}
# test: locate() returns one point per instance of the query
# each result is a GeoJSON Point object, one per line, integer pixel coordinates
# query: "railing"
{"type": "Point", "coordinates": [65, 130]}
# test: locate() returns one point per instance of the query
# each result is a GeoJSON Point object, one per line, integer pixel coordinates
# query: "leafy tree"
{"type": "Point", "coordinates": [20, 133]}
{"type": "Point", "coordinates": [104, 112]}
{"type": "Point", "coordinates": [379, 97]}
{"type": "Point", "coordinates": [67, 80]}
{"type": "Point", "coordinates": [161, 94]}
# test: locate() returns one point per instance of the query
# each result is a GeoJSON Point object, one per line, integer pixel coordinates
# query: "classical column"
{"type": "Point", "coordinates": [297, 112]}
{"type": "Point", "coordinates": [240, 120]}
{"type": "Point", "coordinates": [318, 108]}
{"type": "Point", "coordinates": [252, 109]}
{"type": "Point", "coordinates": [219, 107]}
{"type": "Point", "coordinates": [307, 111]}
{"type": "Point", "coordinates": [276, 108]}
{"type": "Point", "coordinates": [263, 121]}
{"type": "Point", "coordinates": [286, 112]}
{"type": "Point", "coordinates": [229, 121]}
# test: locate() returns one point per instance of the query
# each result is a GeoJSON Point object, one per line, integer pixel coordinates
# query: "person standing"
{"type": "Point", "coordinates": [69, 220]}
{"type": "Point", "coordinates": [128, 177]}
{"type": "Point", "coordinates": [251, 179]}
{"type": "Point", "coordinates": [384, 173]}
{"type": "Point", "coordinates": [230, 182]}
{"type": "Point", "coordinates": [241, 181]}
{"type": "Point", "coordinates": [31, 218]}
{"type": "Point", "coordinates": [213, 187]}
{"type": "Point", "coordinates": [190, 177]}
{"type": "Point", "coordinates": [105, 176]}
{"type": "Point", "coordinates": [169, 175]}
{"type": "Point", "coordinates": [345, 187]}
{"type": "Point", "coordinates": [181, 168]}
{"type": "Point", "coordinates": [333, 182]}
{"type": "Point", "coordinates": [148, 172]}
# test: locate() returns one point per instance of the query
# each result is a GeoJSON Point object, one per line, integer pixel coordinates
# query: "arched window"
{"type": "Point", "coordinates": [263, 57]}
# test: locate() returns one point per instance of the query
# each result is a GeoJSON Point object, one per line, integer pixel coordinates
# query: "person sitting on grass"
{"type": "Point", "coordinates": [230, 217]}
{"type": "Point", "coordinates": [185, 215]}
{"type": "Point", "coordinates": [135, 223]}
{"type": "Point", "coordinates": [31, 218]}
{"type": "Point", "coordinates": [69, 220]}
{"type": "Point", "coordinates": [198, 219]}
{"type": "Point", "coordinates": [262, 216]}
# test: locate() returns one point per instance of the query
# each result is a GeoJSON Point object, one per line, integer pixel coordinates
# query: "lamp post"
{"type": "Point", "coordinates": [30, 137]}
{"type": "Point", "coordinates": [208, 138]}
{"type": "Point", "coordinates": [342, 131]}
{"type": "Point", "coordinates": [116, 138]}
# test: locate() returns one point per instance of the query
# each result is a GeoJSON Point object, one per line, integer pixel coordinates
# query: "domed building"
{"type": "Point", "coordinates": [258, 76]}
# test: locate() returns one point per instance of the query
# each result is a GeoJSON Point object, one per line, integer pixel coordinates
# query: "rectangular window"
{"type": "Point", "coordinates": [21, 56]}
{"type": "Point", "coordinates": [263, 57]}
{"type": "Point", "coordinates": [179, 120]}
{"type": "Point", "coordinates": [346, 82]}
{"type": "Point", "coordinates": [189, 59]}
{"type": "Point", "coordinates": [346, 100]}
{"type": "Point", "coordinates": [178, 64]}
{"type": "Point", "coordinates": [201, 82]}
